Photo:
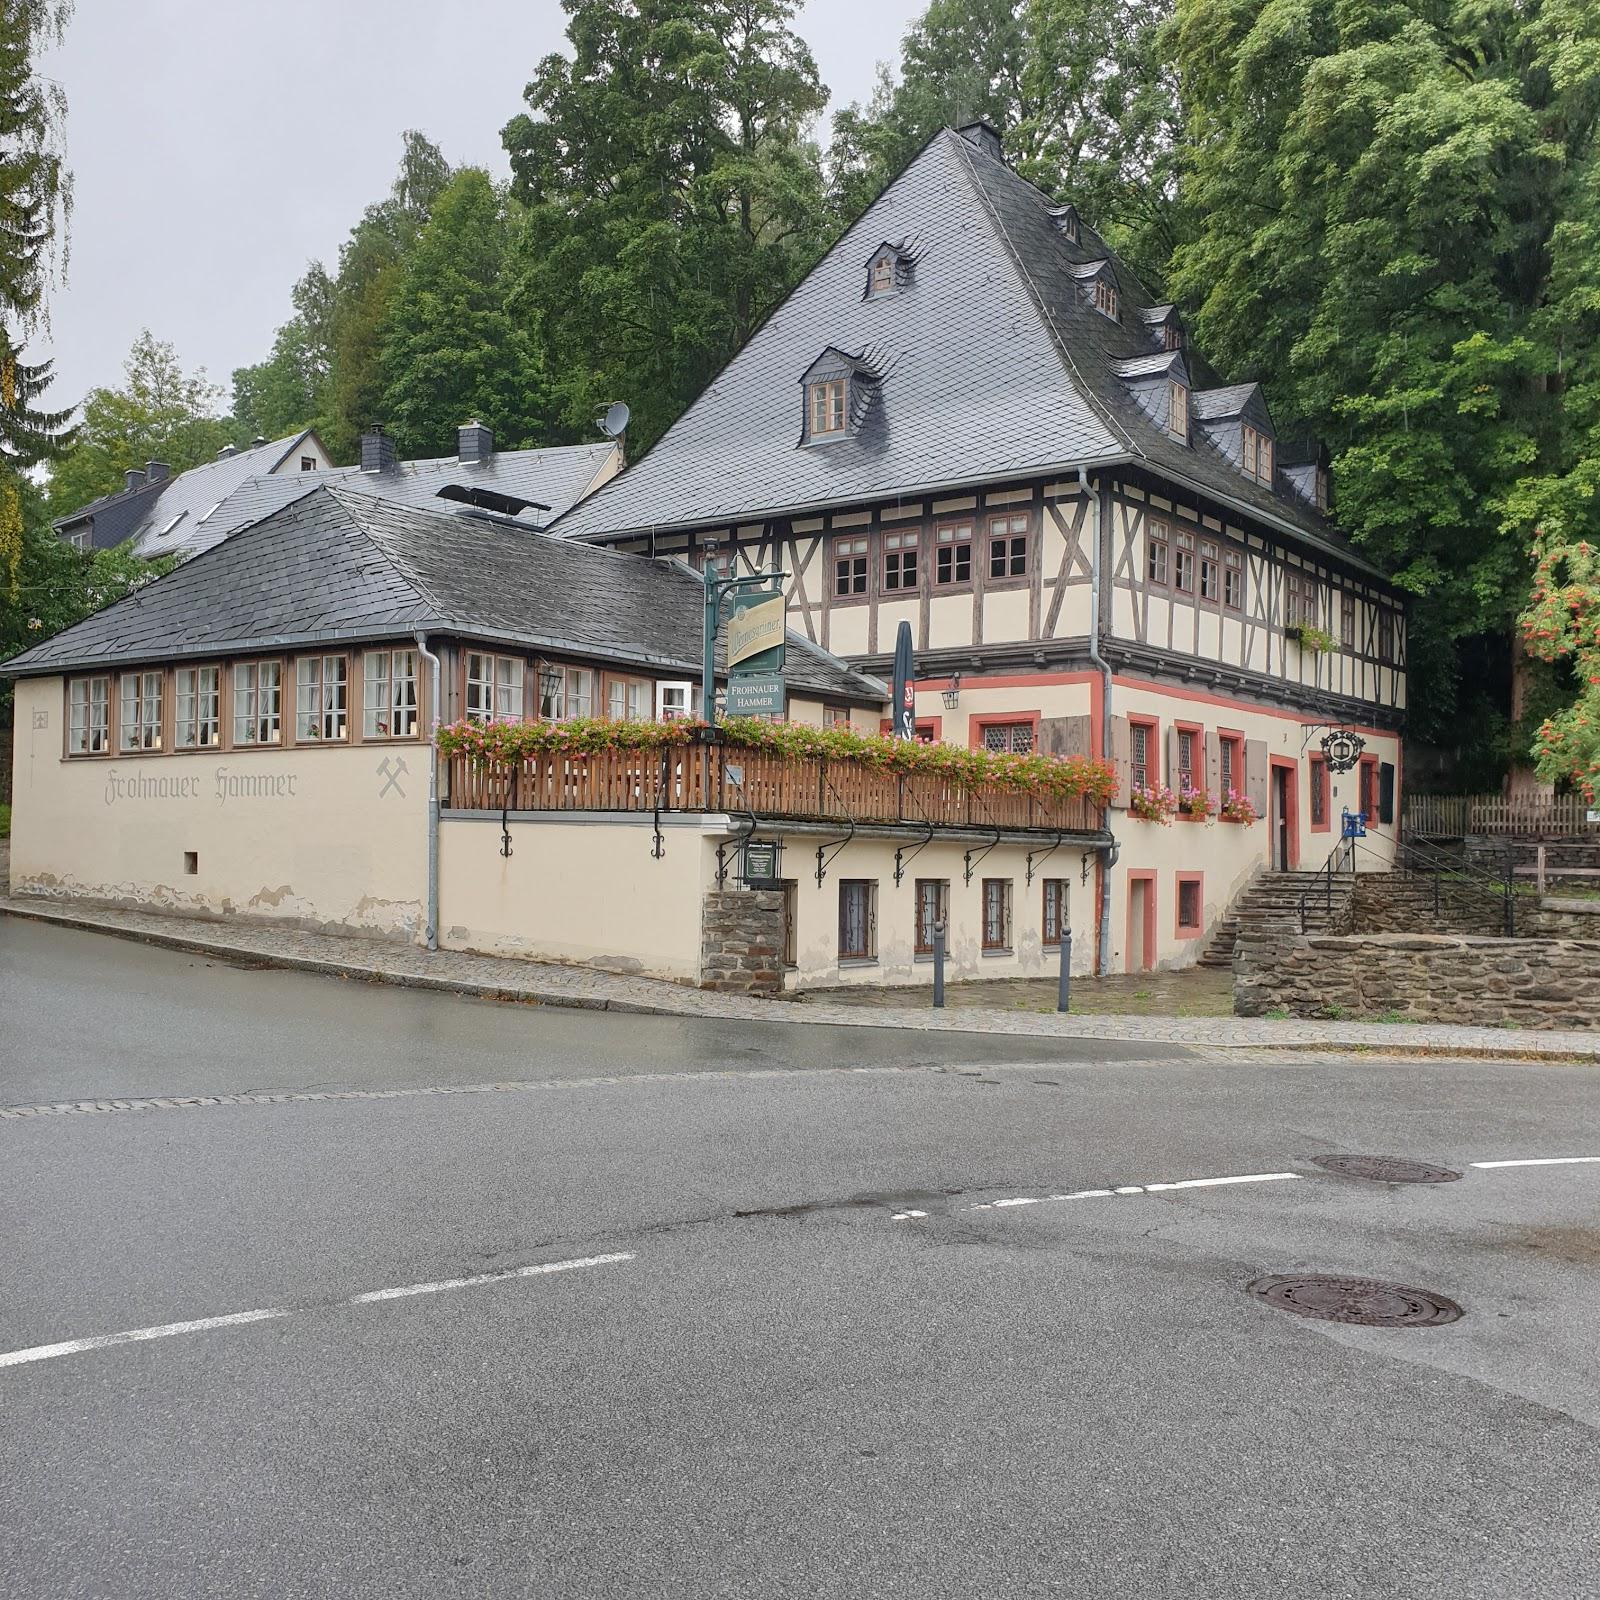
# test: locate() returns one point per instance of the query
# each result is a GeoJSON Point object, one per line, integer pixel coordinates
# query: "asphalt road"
{"type": "Point", "coordinates": [778, 1383]}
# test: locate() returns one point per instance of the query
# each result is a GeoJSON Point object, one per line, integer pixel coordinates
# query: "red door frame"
{"type": "Point", "coordinates": [1148, 953]}
{"type": "Point", "coordinates": [1291, 802]}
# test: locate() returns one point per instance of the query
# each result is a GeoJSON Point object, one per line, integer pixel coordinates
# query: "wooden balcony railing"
{"type": "Point", "coordinates": [732, 778]}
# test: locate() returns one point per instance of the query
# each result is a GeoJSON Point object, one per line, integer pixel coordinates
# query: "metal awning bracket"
{"type": "Point", "coordinates": [900, 856]}
{"type": "Point", "coordinates": [968, 861]}
{"type": "Point", "coordinates": [824, 860]}
{"type": "Point", "coordinates": [1043, 855]}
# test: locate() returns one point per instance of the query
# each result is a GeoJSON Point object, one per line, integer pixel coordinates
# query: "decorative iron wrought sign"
{"type": "Point", "coordinates": [1341, 749]}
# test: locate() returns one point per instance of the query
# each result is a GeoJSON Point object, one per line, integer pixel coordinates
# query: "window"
{"type": "Point", "coordinates": [1008, 546]}
{"type": "Point", "coordinates": [835, 716]}
{"type": "Point", "coordinates": [858, 916]}
{"type": "Point", "coordinates": [1105, 297]}
{"type": "Point", "coordinates": [882, 275]}
{"type": "Point", "coordinates": [81, 539]}
{"type": "Point", "coordinates": [1299, 598]}
{"type": "Point", "coordinates": [933, 905]}
{"type": "Point", "coordinates": [1385, 634]}
{"type": "Point", "coordinates": [389, 709]}
{"type": "Point", "coordinates": [1140, 735]}
{"type": "Point", "coordinates": [257, 702]}
{"type": "Point", "coordinates": [1177, 409]}
{"type": "Point", "coordinates": [139, 718]}
{"type": "Point", "coordinates": [1210, 572]}
{"type": "Point", "coordinates": [308, 463]}
{"type": "Point", "coordinates": [494, 688]}
{"type": "Point", "coordinates": [565, 692]}
{"type": "Point", "coordinates": [1055, 910]}
{"type": "Point", "coordinates": [1257, 455]}
{"type": "Point", "coordinates": [1347, 621]}
{"type": "Point", "coordinates": [849, 567]}
{"type": "Point", "coordinates": [1319, 793]}
{"type": "Point", "coordinates": [1231, 746]}
{"type": "Point", "coordinates": [674, 701]}
{"type": "Point", "coordinates": [321, 698]}
{"type": "Point", "coordinates": [89, 717]}
{"type": "Point", "coordinates": [953, 554]}
{"type": "Point", "coordinates": [827, 406]}
{"type": "Point", "coordinates": [628, 700]}
{"type": "Point", "coordinates": [1233, 580]}
{"type": "Point", "coordinates": [996, 913]}
{"type": "Point", "coordinates": [1184, 776]}
{"type": "Point", "coordinates": [1369, 789]}
{"type": "Point", "coordinates": [1156, 558]}
{"type": "Point", "coordinates": [1189, 902]}
{"type": "Point", "coordinates": [1013, 738]}
{"type": "Point", "coordinates": [899, 561]}
{"type": "Point", "coordinates": [1183, 562]}
{"type": "Point", "coordinates": [198, 702]}
{"type": "Point", "coordinates": [1172, 339]}
{"type": "Point", "coordinates": [1321, 489]}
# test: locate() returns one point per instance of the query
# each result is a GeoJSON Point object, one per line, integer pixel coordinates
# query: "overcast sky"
{"type": "Point", "coordinates": [219, 145]}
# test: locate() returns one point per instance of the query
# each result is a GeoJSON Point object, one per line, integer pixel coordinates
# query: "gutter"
{"type": "Point", "coordinates": [1108, 853]}
{"type": "Point", "coordinates": [430, 929]}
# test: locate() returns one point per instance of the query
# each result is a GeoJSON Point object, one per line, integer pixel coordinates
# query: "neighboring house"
{"type": "Point", "coordinates": [971, 417]}
{"type": "Point", "coordinates": [162, 510]}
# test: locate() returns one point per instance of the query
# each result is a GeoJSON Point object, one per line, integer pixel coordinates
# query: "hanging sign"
{"type": "Point", "coordinates": [755, 632]}
{"type": "Point", "coordinates": [1341, 749]}
{"type": "Point", "coordinates": [760, 862]}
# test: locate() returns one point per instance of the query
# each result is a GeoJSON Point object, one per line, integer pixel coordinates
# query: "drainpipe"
{"type": "Point", "coordinates": [430, 931]}
{"type": "Point", "coordinates": [1108, 854]}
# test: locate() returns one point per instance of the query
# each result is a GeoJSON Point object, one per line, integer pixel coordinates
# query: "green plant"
{"type": "Point", "coordinates": [5, 822]}
{"type": "Point", "coordinates": [1332, 1013]}
{"type": "Point", "coordinates": [1311, 637]}
{"type": "Point", "coordinates": [1277, 1014]}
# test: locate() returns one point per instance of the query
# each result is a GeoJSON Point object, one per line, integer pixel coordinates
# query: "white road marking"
{"type": "Point", "coordinates": [1542, 1161]}
{"type": "Point", "coordinates": [484, 1277]}
{"type": "Point", "coordinates": [101, 1341]}
{"type": "Point", "coordinates": [903, 1216]}
{"type": "Point", "coordinates": [71, 1347]}
{"type": "Point", "coordinates": [1135, 1188]}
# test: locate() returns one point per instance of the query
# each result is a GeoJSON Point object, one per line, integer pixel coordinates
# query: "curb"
{"type": "Point", "coordinates": [1519, 1046]}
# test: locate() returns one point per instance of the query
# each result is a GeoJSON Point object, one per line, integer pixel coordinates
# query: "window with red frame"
{"type": "Point", "coordinates": [1188, 905]}
{"type": "Point", "coordinates": [1319, 792]}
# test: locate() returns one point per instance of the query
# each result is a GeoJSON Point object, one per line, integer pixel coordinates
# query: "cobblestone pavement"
{"type": "Point", "coordinates": [502, 978]}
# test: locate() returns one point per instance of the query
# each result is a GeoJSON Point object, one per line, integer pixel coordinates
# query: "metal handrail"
{"type": "Point", "coordinates": [1325, 876]}
{"type": "Point", "coordinates": [1432, 861]}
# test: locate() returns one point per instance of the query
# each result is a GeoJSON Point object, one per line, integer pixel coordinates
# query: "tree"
{"type": "Point", "coordinates": [35, 199]}
{"type": "Point", "coordinates": [452, 350]}
{"type": "Point", "coordinates": [160, 414]}
{"type": "Point", "coordinates": [671, 197]}
{"type": "Point", "coordinates": [290, 390]}
{"type": "Point", "coordinates": [1380, 197]}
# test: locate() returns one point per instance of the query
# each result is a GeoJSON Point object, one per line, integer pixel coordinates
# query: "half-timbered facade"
{"type": "Point", "coordinates": [970, 418]}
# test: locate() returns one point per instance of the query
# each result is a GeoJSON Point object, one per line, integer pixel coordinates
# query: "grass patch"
{"type": "Point", "coordinates": [1277, 1014]}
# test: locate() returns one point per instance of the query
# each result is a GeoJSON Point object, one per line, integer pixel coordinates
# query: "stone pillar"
{"type": "Point", "coordinates": [741, 941]}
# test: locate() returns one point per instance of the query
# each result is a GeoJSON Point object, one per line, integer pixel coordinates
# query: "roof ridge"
{"type": "Point", "coordinates": [1083, 389]}
{"type": "Point", "coordinates": [341, 495]}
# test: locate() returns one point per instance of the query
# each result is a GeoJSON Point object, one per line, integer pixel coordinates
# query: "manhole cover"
{"type": "Point", "coordinates": [1385, 1169]}
{"type": "Point", "coordinates": [1359, 1300]}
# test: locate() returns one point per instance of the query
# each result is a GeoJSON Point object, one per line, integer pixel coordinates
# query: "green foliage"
{"type": "Point", "coordinates": [1393, 217]}
{"type": "Point", "coordinates": [452, 349]}
{"type": "Point", "coordinates": [1310, 637]}
{"type": "Point", "coordinates": [671, 197]}
{"type": "Point", "coordinates": [161, 413]}
{"type": "Point", "coordinates": [1562, 624]}
{"type": "Point", "coordinates": [290, 390]}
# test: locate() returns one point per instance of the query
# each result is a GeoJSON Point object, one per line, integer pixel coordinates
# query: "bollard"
{"type": "Point", "coordinates": [938, 964]}
{"type": "Point", "coordinates": [1064, 981]}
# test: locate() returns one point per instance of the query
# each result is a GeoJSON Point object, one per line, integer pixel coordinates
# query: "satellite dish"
{"type": "Point", "coordinates": [615, 421]}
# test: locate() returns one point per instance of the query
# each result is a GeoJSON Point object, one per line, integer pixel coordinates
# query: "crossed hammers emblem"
{"type": "Point", "coordinates": [391, 772]}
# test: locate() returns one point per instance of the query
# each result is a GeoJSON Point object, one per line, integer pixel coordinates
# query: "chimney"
{"type": "Point", "coordinates": [257, 442]}
{"type": "Point", "coordinates": [226, 451]}
{"type": "Point", "coordinates": [985, 136]}
{"type": "Point", "coordinates": [474, 442]}
{"type": "Point", "coordinates": [155, 471]}
{"type": "Point", "coordinates": [377, 451]}
{"type": "Point", "coordinates": [132, 479]}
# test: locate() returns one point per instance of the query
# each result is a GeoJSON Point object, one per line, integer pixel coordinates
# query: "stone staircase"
{"type": "Point", "coordinates": [1274, 897]}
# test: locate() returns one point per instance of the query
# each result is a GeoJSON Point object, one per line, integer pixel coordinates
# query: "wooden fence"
{"type": "Point", "coordinates": [1456, 815]}
{"type": "Point", "coordinates": [728, 778]}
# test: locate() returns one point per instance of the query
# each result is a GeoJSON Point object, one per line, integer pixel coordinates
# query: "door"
{"type": "Point", "coordinates": [1141, 922]}
{"type": "Point", "coordinates": [1284, 816]}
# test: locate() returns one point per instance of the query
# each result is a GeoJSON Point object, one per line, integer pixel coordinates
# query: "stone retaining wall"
{"type": "Point", "coordinates": [741, 941]}
{"type": "Point", "coordinates": [1535, 983]}
{"type": "Point", "coordinates": [1399, 903]}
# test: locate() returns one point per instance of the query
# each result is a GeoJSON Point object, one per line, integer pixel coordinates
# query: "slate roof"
{"type": "Point", "coordinates": [114, 517]}
{"type": "Point", "coordinates": [1211, 405]}
{"type": "Point", "coordinates": [997, 366]}
{"type": "Point", "coordinates": [336, 565]}
{"type": "Point", "coordinates": [553, 477]}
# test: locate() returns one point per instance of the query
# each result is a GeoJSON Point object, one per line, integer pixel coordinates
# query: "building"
{"type": "Point", "coordinates": [970, 417]}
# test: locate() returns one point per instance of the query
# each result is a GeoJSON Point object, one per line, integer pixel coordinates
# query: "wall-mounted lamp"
{"type": "Point", "coordinates": [952, 695]}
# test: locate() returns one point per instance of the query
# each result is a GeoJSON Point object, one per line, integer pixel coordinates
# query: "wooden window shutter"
{"type": "Point", "coordinates": [1172, 758]}
{"type": "Point", "coordinates": [1064, 736]}
{"type": "Point", "coordinates": [1255, 774]}
{"type": "Point", "coordinates": [1214, 764]}
{"type": "Point", "coordinates": [1386, 793]}
{"type": "Point", "coordinates": [1121, 759]}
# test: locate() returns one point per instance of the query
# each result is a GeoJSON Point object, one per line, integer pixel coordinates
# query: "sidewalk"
{"type": "Point", "coordinates": [500, 978]}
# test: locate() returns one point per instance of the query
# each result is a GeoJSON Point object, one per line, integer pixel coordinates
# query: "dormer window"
{"type": "Point", "coordinates": [1066, 220]}
{"type": "Point", "coordinates": [882, 279]}
{"type": "Point", "coordinates": [1257, 455]}
{"type": "Point", "coordinates": [1322, 489]}
{"type": "Point", "coordinates": [827, 404]}
{"type": "Point", "coordinates": [889, 269]}
{"type": "Point", "coordinates": [1105, 298]}
{"type": "Point", "coordinates": [1178, 410]}
{"type": "Point", "coordinates": [1172, 337]}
